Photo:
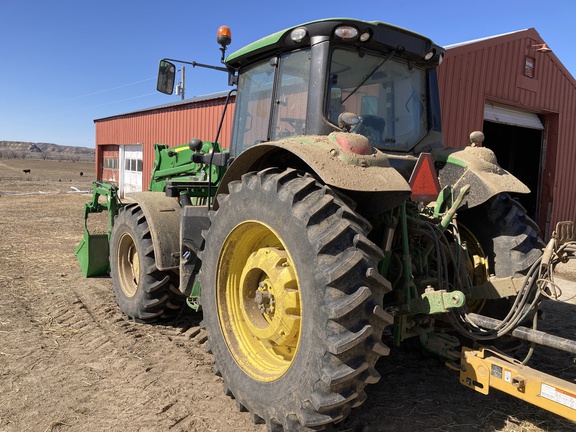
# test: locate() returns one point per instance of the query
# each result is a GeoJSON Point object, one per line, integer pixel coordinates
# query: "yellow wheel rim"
{"type": "Point", "coordinates": [128, 265]}
{"type": "Point", "coordinates": [258, 301]}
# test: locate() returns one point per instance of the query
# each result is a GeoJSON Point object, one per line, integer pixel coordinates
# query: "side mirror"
{"type": "Point", "coordinates": [166, 77]}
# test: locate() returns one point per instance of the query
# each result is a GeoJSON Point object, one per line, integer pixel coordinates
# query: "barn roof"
{"type": "Point", "coordinates": [192, 100]}
{"type": "Point", "coordinates": [473, 41]}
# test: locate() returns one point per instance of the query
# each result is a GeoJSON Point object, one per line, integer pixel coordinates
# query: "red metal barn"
{"type": "Point", "coordinates": [512, 87]}
{"type": "Point", "coordinates": [124, 143]}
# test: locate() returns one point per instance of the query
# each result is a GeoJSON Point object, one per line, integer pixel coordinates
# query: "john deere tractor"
{"type": "Point", "coordinates": [334, 214]}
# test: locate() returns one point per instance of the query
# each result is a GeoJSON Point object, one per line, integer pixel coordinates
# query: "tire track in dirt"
{"type": "Point", "coordinates": [69, 360]}
{"type": "Point", "coordinates": [153, 377]}
{"type": "Point", "coordinates": [149, 370]}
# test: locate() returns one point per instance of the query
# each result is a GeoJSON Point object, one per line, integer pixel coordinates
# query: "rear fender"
{"type": "Point", "coordinates": [163, 216]}
{"type": "Point", "coordinates": [345, 161]}
{"type": "Point", "coordinates": [477, 167]}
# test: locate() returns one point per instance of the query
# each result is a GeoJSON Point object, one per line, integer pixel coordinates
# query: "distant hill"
{"type": "Point", "coordinates": [30, 150]}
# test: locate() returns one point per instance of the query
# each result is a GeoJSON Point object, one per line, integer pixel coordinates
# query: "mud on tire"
{"type": "Point", "coordinates": [292, 300]}
{"type": "Point", "coordinates": [144, 293]}
{"type": "Point", "coordinates": [510, 242]}
{"type": "Point", "coordinates": [507, 234]}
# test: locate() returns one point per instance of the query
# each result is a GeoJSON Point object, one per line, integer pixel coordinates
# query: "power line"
{"type": "Point", "coordinates": [107, 90]}
{"type": "Point", "coordinates": [89, 94]}
{"type": "Point", "coordinates": [103, 104]}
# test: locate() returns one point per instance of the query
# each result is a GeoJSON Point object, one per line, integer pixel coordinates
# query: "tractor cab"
{"type": "Point", "coordinates": [369, 78]}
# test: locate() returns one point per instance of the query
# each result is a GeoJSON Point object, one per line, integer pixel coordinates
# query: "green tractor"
{"type": "Point", "coordinates": [335, 215]}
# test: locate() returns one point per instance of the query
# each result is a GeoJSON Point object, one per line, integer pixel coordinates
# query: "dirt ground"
{"type": "Point", "coordinates": [70, 361]}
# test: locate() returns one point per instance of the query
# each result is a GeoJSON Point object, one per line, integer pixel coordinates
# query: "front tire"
{"type": "Point", "coordinates": [292, 300]}
{"type": "Point", "coordinates": [144, 293]}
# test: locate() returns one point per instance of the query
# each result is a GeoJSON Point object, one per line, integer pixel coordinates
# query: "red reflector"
{"type": "Point", "coordinates": [424, 181]}
{"type": "Point", "coordinates": [354, 143]}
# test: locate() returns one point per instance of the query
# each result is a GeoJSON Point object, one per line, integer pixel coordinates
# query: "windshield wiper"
{"type": "Point", "coordinates": [384, 60]}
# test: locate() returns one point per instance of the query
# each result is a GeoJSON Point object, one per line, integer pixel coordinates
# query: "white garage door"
{"type": "Point", "coordinates": [131, 172]}
{"type": "Point", "coordinates": [511, 116]}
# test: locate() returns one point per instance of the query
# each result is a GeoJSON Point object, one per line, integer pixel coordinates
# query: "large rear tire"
{"type": "Point", "coordinates": [509, 237]}
{"type": "Point", "coordinates": [509, 244]}
{"type": "Point", "coordinates": [144, 293]}
{"type": "Point", "coordinates": [292, 300]}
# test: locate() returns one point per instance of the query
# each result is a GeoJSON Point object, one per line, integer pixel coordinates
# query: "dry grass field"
{"type": "Point", "coordinates": [70, 361]}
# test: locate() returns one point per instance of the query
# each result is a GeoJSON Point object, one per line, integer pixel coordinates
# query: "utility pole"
{"type": "Point", "coordinates": [181, 84]}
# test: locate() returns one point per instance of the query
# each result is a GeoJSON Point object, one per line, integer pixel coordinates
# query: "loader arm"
{"type": "Point", "coordinates": [93, 250]}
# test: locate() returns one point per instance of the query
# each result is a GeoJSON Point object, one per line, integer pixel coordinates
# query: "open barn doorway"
{"type": "Point", "coordinates": [519, 151]}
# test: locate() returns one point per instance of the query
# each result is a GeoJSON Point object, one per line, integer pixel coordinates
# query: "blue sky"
{"type": "Point", "coordinates": [65, 63]}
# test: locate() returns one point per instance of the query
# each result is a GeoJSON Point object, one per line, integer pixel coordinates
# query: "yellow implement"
{"type": "Point", "coordinates": [482, 369]}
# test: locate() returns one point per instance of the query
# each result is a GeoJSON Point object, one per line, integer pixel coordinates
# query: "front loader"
{"type": "Point", "coordinates": [335, 213]}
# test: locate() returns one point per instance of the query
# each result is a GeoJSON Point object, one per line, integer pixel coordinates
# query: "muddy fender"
{"type": "Point", "coordinates": [477, 167]}
{"type": "Point", "coordinates": [345, 161]}
{"type": "Point", "coordinates": [163, 216]}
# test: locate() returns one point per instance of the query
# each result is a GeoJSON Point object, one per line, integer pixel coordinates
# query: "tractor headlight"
{"type": "Point", "coordinates": [346, 32]}
{"type": "Point", "coordinates": [298, 34]}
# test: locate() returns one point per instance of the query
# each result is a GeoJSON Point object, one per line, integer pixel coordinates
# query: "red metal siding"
{"type": "Point", "coordinates": [170, 125]}
{"type": "Point", "coordinates": [492, 70]}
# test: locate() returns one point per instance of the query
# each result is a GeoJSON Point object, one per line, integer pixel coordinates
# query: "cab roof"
{"type": "Point", "coordinates": [280, 41]}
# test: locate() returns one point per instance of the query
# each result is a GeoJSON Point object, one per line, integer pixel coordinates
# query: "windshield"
{"type": "Point", "coordinates": [389, 95]}
{"type": "Point", "coordinates": [272, 100]}
{"type": "Point", "coordinates": [252, 108]}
